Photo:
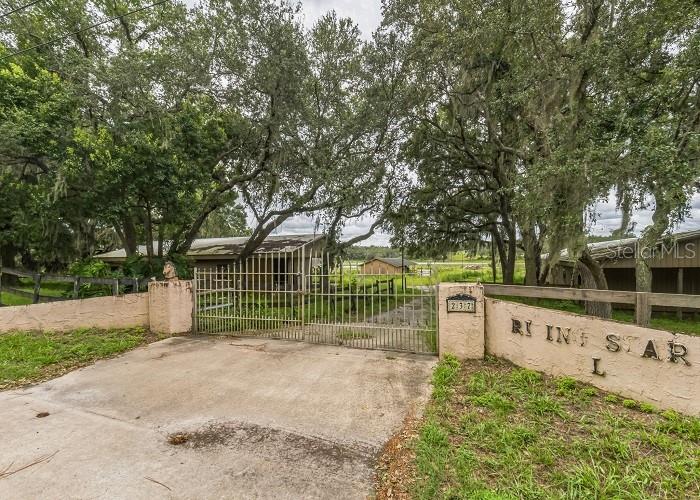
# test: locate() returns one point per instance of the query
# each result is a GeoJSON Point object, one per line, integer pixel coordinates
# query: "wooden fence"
{"type": "Point", "coordinates": [642, 301]}
{"type": "Point", "coordinates": [36, 297]}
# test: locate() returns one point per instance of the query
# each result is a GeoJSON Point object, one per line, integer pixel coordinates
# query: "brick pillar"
{"type": "Point", "coordinates": [170, 307]}
{"type": "Point", "coordinates": [461, 333]}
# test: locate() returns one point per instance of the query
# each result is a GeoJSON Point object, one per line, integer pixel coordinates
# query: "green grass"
{"type": "Point", "coordinates": [27, 357]}
{"type": "Point", "coordinates": [660, 321]}
{"type": "Point", "coordinates": [494, 431]}
{"type": "Point", "coordinates": [353, 335]}
{"type": "Point", "coordinates": [9, 299]}
{"type": "Point", "coordinates": [26, 285]}
{"type": "Point", "coordinates": [248, 307]}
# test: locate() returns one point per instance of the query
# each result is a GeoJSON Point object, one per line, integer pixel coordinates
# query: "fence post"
{"type": "Point", "coordinates": [135, 286]}
{"type": "Point", "coordinates": [115, 287]}
{"type": "Point", "coordinates": [37, 288]}
{"type": "Point", "coordinates": [679, 290]}
{"type": "Point", "coordinates": [76, 287]}
{"type": "Point", "coordinates": [642, 309]}
{"type": "Point", "coordinates": [0, 286]}
{"type": "Point", "coordinates": [195, 305]}
{"type": "Point", "coordinates": [303, 285]}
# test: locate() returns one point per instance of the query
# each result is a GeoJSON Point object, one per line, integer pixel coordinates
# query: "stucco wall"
{"type": "Point", "coordinates": [99, 312]}
{"type": "Point", "coordinates": [170, 306]}
{"type": "Point", "coordinates": [626, 354]}
{"type": "Point", "coordinates": [461, 334]}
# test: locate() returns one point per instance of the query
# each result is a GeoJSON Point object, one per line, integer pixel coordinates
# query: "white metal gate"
{"type": "Point", "coordinates": [307, 296]}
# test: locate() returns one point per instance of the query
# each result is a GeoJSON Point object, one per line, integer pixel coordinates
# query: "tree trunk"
{"type": "Point", "coordinates": [128, 236]}
{"type": "Point", "coordinates": [506, 253]}
{"type": "Point", "coordinates": [148, 228]}
{"type": "Point", "coordinates": [509, 265]}
{"type": "Point", "coordinates": [646, 247]}
{"type": "Point", "coordinates": [493, 259]}
{"type": "Point", "coordinates": [161, 235]}
{"type": "Point", "coordinates": [593, 276]}
{"type": "Point", "coordinates": [532, 249]}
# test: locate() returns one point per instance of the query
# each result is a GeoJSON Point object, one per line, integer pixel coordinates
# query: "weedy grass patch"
{"type": "Point", "coordinates": [496, 431]}
{"type": "Point", "coordinates": [354, 335]}
{"type": "Point", "coordinates": [27, 357]}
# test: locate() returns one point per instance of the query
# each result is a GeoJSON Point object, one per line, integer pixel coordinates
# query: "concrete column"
{"type": "Point", "coordinates": [461, 333]}
{"type": "Point", "coordinates": [170, 307]}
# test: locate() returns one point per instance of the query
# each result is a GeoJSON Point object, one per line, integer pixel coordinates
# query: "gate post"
{"type": "Point", "coordinates": [170, 307]}
{"type": "Point", "coordinates": [462, 331]}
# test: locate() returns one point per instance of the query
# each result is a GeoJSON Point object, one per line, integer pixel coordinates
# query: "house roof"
{"type": "Point", "coordinates": [393, 261]}
{"type": "Point", "coordinates": [210, 248]}
{"type": "Point", "coordinates": [613, 249]}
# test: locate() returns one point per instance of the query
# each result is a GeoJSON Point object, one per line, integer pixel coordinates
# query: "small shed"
{"type": "Point", "coordinates": [386, 265]}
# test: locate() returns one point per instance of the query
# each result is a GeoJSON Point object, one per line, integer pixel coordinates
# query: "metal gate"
{"type": "Point", "coordinates": [307, 296]}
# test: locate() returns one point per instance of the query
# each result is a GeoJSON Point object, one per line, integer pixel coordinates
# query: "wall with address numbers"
{"type": "Point", "coordinates": [641, 363]}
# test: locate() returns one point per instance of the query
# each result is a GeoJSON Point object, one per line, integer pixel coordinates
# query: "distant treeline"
{"type": "Point", "coordinates": [364, 253]}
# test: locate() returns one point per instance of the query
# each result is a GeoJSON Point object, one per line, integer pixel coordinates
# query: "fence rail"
{"type": "Point", "coordinates": [36, 297]}
{"type": "Point", "coordinates": [642, 301]}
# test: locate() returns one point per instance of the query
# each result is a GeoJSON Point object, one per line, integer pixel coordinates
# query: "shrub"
{"type": "Point", "coordinates": [92, 268]}
{"type": "Point", "coordinates": [138, 266]}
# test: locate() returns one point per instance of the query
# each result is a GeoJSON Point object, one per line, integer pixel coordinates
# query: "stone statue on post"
{"type": "Point", "coordinates": [169, 272]}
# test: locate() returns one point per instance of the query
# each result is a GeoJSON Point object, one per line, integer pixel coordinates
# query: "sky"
{"type": "Point", "coordinates": [367, 14]}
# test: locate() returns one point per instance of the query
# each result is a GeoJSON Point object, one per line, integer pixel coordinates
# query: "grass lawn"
{"type": "Point", "coordinates": [495, 431]}
{"type": "Point", "coordinates": [10, 299]}
{"type": "Point", "coordinates": [660, 321]}
{"type": "Point", "coordinates": [25, 285]}
{"type": "Point", "coordinates": [27, 357]}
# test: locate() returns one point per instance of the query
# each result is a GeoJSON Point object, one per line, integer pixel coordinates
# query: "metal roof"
{"type": "Point", "coordinates": [226, 247]}
{"type": "Point", "coordinates": [601, 249]}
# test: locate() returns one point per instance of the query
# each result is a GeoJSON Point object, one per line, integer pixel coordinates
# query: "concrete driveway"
{"type": "Point", "coordinates": [259, 419]}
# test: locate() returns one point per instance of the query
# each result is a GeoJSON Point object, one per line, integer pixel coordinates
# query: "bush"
{"type": "Point", "coordinates": [92, 268]}
{"type": "Point", "coordinates": [138, 266]}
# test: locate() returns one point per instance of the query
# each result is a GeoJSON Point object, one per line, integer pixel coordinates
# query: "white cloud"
{"type": "Point", "coordinates": [367, 14]}
{"type": "Point", "coordinates": [301, 224]}
{"type": "Point", "coordinates": [609, 218]}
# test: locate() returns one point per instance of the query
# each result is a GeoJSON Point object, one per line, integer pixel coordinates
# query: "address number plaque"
{"type": "Point", "coordinates": [461, 303]}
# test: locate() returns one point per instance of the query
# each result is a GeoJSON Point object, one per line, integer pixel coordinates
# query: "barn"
{"type": "Point", "coordinates": [675, 264]}
{"type": "Point", "coordinates": [386, 265]}
{"type": "Point", "coordinates": [276, 264]}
